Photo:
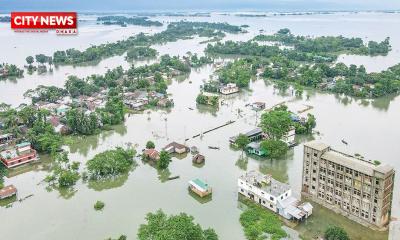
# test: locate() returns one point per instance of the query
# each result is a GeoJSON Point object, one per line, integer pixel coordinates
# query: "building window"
{"type": "Point", "coordinates": [271, 198]}
{"type": "Point", "coordinates": [315, 155]}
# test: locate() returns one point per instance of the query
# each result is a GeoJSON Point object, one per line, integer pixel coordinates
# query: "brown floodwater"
{"type": "Point", "coordinates": [369, 126]}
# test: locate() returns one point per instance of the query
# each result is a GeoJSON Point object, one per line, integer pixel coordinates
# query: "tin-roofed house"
{"type": "Point", "coordinates": [253, 135]}
{"type": "Point", "coordinates": [274, 195]}
{"type": "Point", "coordinates": [200, 187]}
{"type": "Point", "coordinates": [255, 148]}
{"type": "Point", "coordinates": [151, 154]}
{"type": "Point", "coordinates": [175, 147]}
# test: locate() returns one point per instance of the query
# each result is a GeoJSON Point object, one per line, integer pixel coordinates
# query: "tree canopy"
{"type": "Point", "coordinates": [160, 226]}
{"type": "Point", "coordinates": [335, 233]}
{"type": "Point", "coordinates": [110, 163]}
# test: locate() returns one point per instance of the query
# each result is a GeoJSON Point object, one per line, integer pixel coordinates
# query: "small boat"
{"type": "Point", "coordinates": [344, 142]}
{"type": "Point", "coordinates": [173, 178]}
{"type": "Point", "coordinates": [212, 147]}
{"type": "Point", "coordinates": [190, 108]}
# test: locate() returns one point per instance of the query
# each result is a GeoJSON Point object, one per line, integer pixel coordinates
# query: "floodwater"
{"type": "Point", "coordinates": [370, 127]}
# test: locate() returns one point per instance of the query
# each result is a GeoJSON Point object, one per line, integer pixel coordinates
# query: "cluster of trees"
{"type": "Point", "coordinates": [77, 87]}
{"type": "Point", "coordinates": [276, 124]}
{"type": "Point", "coordinates": [256, 222]}
{"type": "Point", "coordinates": [79, 122]}
{"type": "Point", "coordinates": [310, 62]}
{"type": "Point", "coordinates": [211, 86]}
{"type": "Point", "coordinates": [327, 44]}
{"type": "Point", "coordinates": [239, 72]}
{"type": "Point", "coordinates": [45, 93]}
{"type": "Point", "coordinates": [10, 70]}
{"type": "Point", "coordinates": [207, 100]}
{"type": "Point", "coordinates": [251, 48]}
{"type": "Point", "coordinates": [64, 173]}
{"type": "Point", "coordinates": [194, 61]}
{"type": "Point", "coordinates": [123, 21]}
{"type": "Point", "coordinates": [42, 135]}
{"type": "Point", "coordinates": [140, 53]}
{"type": "Point", "coordinates": [40, 132]}
{"type": "Point", "coordinates": [352, 80]}
{"type": "Point", "coordinates": [161, 226]}
{"type": "Point", "coordinates": [110, 163]}
{"type": "Point", "coordinates": [174, 32]}
{"type": "Point", "coordinates": [41, 59]}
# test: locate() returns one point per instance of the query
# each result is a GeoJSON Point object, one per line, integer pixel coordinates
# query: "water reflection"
{"type": "Point", "coordinates": [109, 183]}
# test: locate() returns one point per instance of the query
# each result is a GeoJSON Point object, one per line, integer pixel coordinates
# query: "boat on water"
{"type": "Point", "coordinates": [344, 142]}
{"type": "Point", "coordinates": [212, 147]}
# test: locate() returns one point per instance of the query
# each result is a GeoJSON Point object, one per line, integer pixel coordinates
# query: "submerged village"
{"type": "Point", "coordinates": [345, 186]}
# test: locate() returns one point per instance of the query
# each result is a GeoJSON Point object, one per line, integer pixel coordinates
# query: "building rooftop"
{"type": "Point", "coordinates": [7, 191]}
{"type": "Point", "coordinates": [349, 161]}
{"type": "Point", "coordinates": [254, 145]}
{"type": "Point", "coordinates": [200, 184]}
{"type": "Point", "coordinates": [317, 145]}
{"type": "Point", "coordinates": [265, 182]}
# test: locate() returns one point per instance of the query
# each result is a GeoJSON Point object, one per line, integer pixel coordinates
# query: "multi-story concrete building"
{"type": "Point", "coordinates": [356, 188]}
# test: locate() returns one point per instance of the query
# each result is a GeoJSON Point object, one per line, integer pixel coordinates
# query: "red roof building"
{"type": "Point", "coordinates": [151, 154]}
{"type": "Point", "coordinates": [8, 191]}
{"type": "Point", "coordinates": [22, 153]}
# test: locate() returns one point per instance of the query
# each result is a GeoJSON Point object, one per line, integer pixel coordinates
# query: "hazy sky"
{"type": "Point", "coordinates": [164, 5]}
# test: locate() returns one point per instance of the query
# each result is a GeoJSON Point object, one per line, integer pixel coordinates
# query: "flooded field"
{"type": "Point", "coordinates": [369, 126]}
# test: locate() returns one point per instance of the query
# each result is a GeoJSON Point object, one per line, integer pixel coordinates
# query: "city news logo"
{"type": "Point", "coordinates": [64, 23]}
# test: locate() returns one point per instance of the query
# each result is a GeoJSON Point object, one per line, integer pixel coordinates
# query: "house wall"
{"type": "Point", "coordinates": [261, 197]}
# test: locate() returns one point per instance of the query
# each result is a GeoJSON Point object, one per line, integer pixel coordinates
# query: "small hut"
{"type": "Point", "coordinates": [198, 159]}
{"type": "Point", "coordinates": [8, 191]}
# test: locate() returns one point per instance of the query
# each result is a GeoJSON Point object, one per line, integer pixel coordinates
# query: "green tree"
{"type": "Point", "coordinates": [99, 205]}
{"type": "Point", "coordinates": [41, 58]}
{"type": "Point", "coordinates": [29, 60]}
{"type": "Point", "coordinates": [336, 233]}
{"type": "Point", "coordinates": [310, 123]}
{"type": "Point", "coordinates": [110, 163]}
{"type": "Point", "coordinates": [150, 145]}
{"type": "Point", "coordinates": [275, 148]}
{"type": "Point", "coordinates": [160, 226]}
{"type": "Point", "coordinates": [164, 161]}
{"type": "Point", "coordinates": [242, 141]}
{"type": "Point", "coordinates": [276, 123]}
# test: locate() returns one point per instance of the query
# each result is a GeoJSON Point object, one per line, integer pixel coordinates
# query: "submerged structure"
{"type": "Point", "coordinates": [360, 190]}
{"type": "Point", "coordinates": [230, 88]}
{"type": "Point", "coordinates": [200, 187]}
{"type": "Point", "coordinates": [274, 195]}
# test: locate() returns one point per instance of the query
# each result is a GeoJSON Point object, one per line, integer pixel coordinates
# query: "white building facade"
{"type": "Point", "coordinates": [274, 195]}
